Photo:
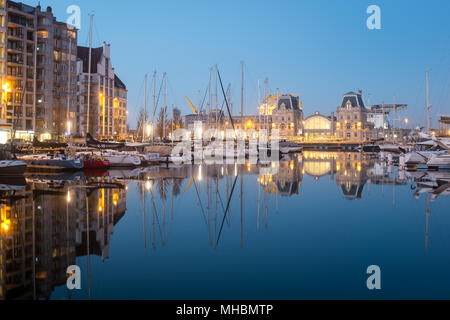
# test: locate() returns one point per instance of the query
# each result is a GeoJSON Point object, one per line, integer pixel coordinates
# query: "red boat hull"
{"type": "Point", "coordinates": [96, 164]}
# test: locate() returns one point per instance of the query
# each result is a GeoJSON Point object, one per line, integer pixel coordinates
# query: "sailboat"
{"type": "Point", "coordinates": [12, 167]}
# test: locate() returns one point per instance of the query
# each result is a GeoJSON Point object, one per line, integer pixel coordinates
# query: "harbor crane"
{"type": "Point", "coordinates": [192, 106]}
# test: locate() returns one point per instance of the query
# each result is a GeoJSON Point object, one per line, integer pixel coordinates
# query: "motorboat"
{"type": "Point", "coordinates": [371, 148]}
{"type": "Point", "coordinates": [174, 158]}
{"type": "Point", "coordinates": [121, 160]}
{"type": "Point", "coordinates": [58, 162]}
{"type": "Point", "coordinates": [419, 158]}
{"type": "Point", "coordinates": [151, 158]}
{"type": "Point", "coordinates": [391, 148]}
{"type": "Point", "coordinates": [146, 158]}
{"type": "Point", "coordinates": [95, 163]}
{"type": "Point", "coordinates": [290, 147]}
{"type": "Point", "coordinates": [439, 161]}
{"type": "Point", "coordinates": [12, 167]}
{"type": "Point", "coordinates": [424, 151]}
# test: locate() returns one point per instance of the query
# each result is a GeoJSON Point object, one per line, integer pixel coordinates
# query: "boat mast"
{"type": "Point", "coordinates": [173, 107]}
{"type": "Point", "coordinates": [242, 94]}
{"type": "Point", "coordinates": [210, 98]}
{"type": "Point", "coordinates": [165, 106]}
{"type": "Point", "coordinates": [428, 104]}
{"type": "Point", "coordinates": [427, 221]}
{"type": "Point", "coordinates": [259, 105]}
{"type": "Point", "coordinates": [154, 102]}
{"type": "Point", "coordinates": [143, 214]}
{"type": "Point", "coordinates": [217, 99]}
{"type": "Point", "coordinates": [144, 119]}
{"type": "Point", "coordinates": [242, 175]}
{"type": "Point", "coordinates": [88, 248]}
{"type": "Point", "coordinates": [89, 75]}
{"type": "Point", "coordinates": [266, 94]}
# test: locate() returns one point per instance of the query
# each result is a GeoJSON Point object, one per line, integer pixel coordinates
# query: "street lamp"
{"type": "Point", "coordinates": [149, 130]}
{"type": "Point", "coordinates": [6, 89]}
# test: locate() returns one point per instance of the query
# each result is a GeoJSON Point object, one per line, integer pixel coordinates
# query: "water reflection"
{"type": "Point", "coordinates": [47, 223]}
{"type": "Point", "coordinates": [50, 222]}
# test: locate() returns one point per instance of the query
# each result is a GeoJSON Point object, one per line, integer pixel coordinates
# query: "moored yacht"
{"type": "Point", "coordinates": [290, 147]}
{"type": "Point", "coordinates": [119, 159]}
{"type": "Point", "coordinates": [59, 162]}
{"type": "Point", "coordinates": [440, 161]}
{"type": "Point", "coordinates": [12, 167]}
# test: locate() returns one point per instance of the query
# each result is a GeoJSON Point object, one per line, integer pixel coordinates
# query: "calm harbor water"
{"type": "Point", "coordinates": [306, 230]}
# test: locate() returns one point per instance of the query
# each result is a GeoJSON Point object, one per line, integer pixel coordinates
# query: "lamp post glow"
{"type": "Point", "coordinates": [6, 89]}
{"type": "Point", "coordinates": [149, 130]}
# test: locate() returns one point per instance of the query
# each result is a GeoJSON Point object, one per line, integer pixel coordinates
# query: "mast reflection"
{"type": "Point", "coordinates": [47, 225]}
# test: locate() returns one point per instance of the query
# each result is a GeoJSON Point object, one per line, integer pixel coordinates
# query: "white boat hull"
{"type": "Point", "coordinates": [439, 161]}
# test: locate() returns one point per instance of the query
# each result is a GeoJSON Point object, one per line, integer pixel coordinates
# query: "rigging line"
{"type": "Point", "coordinates": [444, 56]}
{"type": "Point", "coordinates": [96, 32]}
{"type": "Point", "coordinates": [201, 204]}
{"type": "Point", "coordinates": [157, 219]}
{"type": "Point", "coordinates": [225, 97]}
{"type": "Point", "coordinates": [157, 101]}
{"type": "Point", "coordinates": [174, 97]}
{"type": "Point", "coordinates": [139, 94]}
{"type": "Point", "coordinates": [221, 202]}
{"type": "Point", "coordinates": [223, 102]}
{"type": "Point", "coordinates": [253, 79]}
{"type": "Point", "coordinates": [226, 211]}
{"type": "Point", "coordinates": [443, 89]}
{"type": "Point", "coordinates": [204, 100]}
{"type": "Point", "coordinates": [87, 34]}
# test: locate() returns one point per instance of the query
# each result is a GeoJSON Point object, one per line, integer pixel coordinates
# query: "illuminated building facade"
{"type": "Point", "coordinates": [287, 118]}
{"type": "Point", "coordinates": [35, 54]}
{"type": "Point", "coordinates": [55, 77]}
{"type": "Point", "coordinates": [319, 127]}
{"type": "Point", "coordinates": [108, 95]}
{"type": "Point", "coordinates": [444, 126]}
{"type": "Point", "coordinates": [352, 122]}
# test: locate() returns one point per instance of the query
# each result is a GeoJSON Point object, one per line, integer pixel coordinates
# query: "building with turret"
{"type": "Point", "coordinates": [352, 124]}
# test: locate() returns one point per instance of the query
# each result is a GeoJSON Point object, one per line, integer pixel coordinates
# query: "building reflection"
{"type": "Point", "coordinates": [48, 223]}
{"type": "Point", "coordinates": [350, 170]}
{"type": "Point", "coordinates": [44, 230]}
{"type": "Point", "coordinates": [352, 174]}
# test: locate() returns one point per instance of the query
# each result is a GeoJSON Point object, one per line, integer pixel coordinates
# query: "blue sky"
{"type": "Point", "coordinates": [320, 48]}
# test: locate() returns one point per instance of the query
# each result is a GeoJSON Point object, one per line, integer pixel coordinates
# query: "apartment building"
{"type": "Point", "coordinates": [104, 114]}
{"type": "Point", "coordinates": [37, 60]}
{"type": "Point", "coordinates": [55, 77]}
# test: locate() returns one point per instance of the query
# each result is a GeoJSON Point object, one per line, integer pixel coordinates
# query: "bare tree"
{"type": "Point", "coordinates": [141, 122]}
{"type": "Point", "coordinates": [162, 124]}
{"type": "Point", "coordinates": [176, 119]}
